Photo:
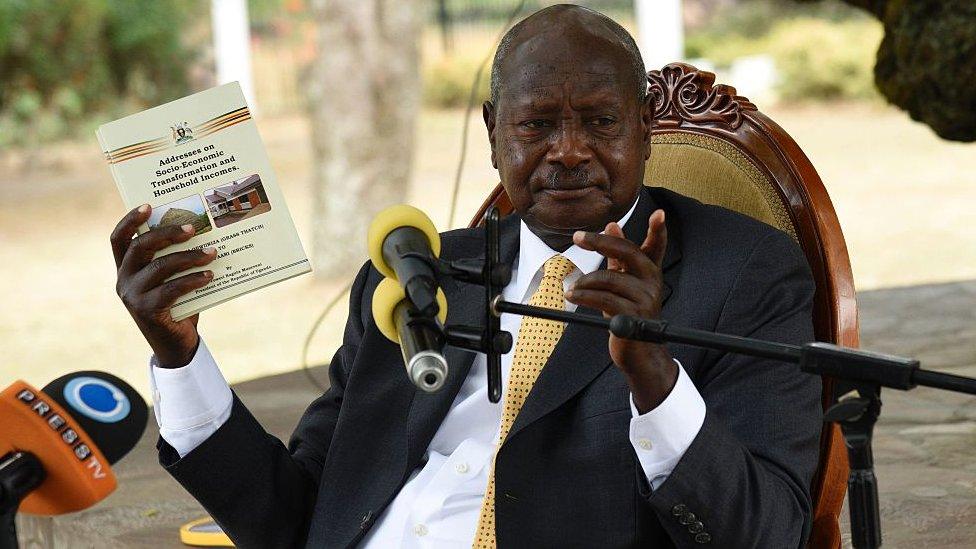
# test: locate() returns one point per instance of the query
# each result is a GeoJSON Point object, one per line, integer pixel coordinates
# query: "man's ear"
{"type": "Point", "coordinates": [488, 113]}
{"type": "Point", "coordinates": [647, 123]}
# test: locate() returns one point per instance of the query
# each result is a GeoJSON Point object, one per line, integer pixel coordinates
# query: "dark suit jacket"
{"type": "Point", "coordinates": [567, 475]}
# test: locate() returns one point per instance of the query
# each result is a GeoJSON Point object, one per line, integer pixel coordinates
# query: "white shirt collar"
{"type": "Point", "coordinates": [533, 253]}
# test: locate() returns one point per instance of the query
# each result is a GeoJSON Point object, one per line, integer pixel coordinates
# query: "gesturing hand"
{"type": "Point", "coordinates": [631, 284]}
{"type": "Point", "coordinates": [146, 293]}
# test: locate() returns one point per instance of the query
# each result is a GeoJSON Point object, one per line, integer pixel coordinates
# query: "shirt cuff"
{"type": "Point", "coordinates": [662, 435]}
{"type": "Point", "coordinates": [191, 402]}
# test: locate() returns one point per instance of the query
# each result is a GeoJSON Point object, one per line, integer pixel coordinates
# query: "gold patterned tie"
{"type": "Point", "coordinates": [537, 338]}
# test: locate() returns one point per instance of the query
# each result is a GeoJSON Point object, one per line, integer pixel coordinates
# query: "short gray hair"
{"type": "Point", "coordinates": [626, 42]}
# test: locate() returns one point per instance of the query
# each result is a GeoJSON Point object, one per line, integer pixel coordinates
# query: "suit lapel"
{"type": "Point", "coordinates": [583, 352]}
{"type": "Point", "coordinates": [466, 306]}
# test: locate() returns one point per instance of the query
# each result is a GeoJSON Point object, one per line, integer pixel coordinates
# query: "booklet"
{"type": "Point", "coordinates": [199, 160]}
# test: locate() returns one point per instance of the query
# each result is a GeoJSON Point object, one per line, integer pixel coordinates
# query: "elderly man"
{"type": "Point", "coordinates": [599, 442]}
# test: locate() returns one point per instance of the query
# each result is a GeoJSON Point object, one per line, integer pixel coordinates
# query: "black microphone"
{"type": "Point", "coordinates": [107, 408]}
{"type": "Point", "coordinates": [420, 337]}
{"type": "Point", "coordinates": [403, 245]}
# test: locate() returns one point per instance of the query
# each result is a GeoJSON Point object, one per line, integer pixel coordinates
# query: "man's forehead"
{"type": "Point", "coordinates": [538, 81]}
{"type": "Point", "coordinates": [554, 56]}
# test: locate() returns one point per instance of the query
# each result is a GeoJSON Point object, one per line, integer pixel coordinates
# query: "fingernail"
{"type": "Point", "coordinates": [579, 235]}
{"type": "Point", "coordinates": [569, 294]}
{"type": "Point", "coordinates": [187, 228]}
{"type": "Point", "coordinates": [208, 274]}
{"type": "Point", "coordinates": [209, 251]}
{"type": "Point", "coordinates": [144, 208]}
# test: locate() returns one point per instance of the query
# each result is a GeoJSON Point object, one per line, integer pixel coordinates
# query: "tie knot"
{"type": "Point", "coordinates": [557, 267]}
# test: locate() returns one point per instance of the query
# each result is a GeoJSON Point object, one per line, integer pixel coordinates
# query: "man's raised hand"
{"type": "Point", "coordinates": [631, 284]}
{"type": "Point", "coordinates": [143, 288]}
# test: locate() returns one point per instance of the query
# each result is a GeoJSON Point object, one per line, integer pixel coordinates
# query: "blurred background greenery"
{"type": "Point", "coordinates": [69, 65]}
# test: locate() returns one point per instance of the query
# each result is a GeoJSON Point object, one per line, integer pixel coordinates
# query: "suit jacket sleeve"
{"type": "Point", "coordinates": [745, 480]}
{"type": "Point", "coordinates": [259, 491]}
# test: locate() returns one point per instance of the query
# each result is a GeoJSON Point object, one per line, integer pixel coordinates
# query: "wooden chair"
{"type": "Point", "coordinates": [715, 146]}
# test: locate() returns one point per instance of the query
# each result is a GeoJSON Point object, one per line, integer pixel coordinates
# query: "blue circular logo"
{"type": "Point", "coordinates": [97, 399]}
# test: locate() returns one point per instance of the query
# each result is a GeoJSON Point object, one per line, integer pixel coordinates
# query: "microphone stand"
{"type": "Point", "coordinates": [20, 472]}
{"type": "Point", "coordinates": [494, 276]}
{"type": "Point", "coordinates": [856, 410]}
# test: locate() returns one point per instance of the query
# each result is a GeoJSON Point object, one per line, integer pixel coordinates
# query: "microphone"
{"type": "Point", "coordinates": [403, 244]}
{"type": "Point", "coordinates": [76, 428]}
{"type": "Point", "coordinates": [420, 337]}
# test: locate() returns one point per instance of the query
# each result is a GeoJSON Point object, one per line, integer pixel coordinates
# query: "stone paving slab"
{"type": "Point", "coordinates": [925, 443]}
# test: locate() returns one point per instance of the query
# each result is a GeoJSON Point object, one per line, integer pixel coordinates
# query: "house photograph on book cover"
{"type": "Point", "coordinates": [243, 199]}
{"type": "Point", "coordinates": [185, 211]}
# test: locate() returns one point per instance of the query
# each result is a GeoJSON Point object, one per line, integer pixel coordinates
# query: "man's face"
{"type": "Point", "coordinates": [569, 137]}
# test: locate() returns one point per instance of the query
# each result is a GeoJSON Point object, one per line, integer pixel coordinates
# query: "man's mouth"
{"type": "Point", "coordinates": [569, 193]}
{"type": "Point", "coordinates": [569, 185]}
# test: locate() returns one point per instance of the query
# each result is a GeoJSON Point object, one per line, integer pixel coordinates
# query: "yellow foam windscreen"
{"type": "Point", "coordinates": [391, 219]}
{"type": "Point", "coordinates": [386, 297]}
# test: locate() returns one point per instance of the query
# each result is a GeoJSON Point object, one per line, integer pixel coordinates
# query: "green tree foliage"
{"type": "Point", "coordinates": [64, 63]}
{"type": "Point", "coordinates": [927, 61]}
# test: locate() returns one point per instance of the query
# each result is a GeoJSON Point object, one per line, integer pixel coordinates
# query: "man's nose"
{"type": "Point", "coordinates": [569, 146]}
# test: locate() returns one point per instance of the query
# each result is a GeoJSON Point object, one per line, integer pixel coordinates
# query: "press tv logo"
{"type": "Point", "coordinates": [91, 397]}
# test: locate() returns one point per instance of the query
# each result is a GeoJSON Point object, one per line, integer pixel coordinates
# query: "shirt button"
{"type": "Point", "coordinates": [644, 443]}
{"type": "Point", "coordinates": [420, 530]}
{"type": "Point", "coordinates": [461, 468]}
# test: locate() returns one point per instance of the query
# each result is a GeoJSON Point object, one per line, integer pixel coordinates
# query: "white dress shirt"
{"type": "Point", "coordinates": [440, 504]}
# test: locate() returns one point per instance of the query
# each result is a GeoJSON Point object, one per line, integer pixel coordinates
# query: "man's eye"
{"type": "Point", "coordinates": [535, 124]}
{"type": "Point", "coordinates": [602, 121]}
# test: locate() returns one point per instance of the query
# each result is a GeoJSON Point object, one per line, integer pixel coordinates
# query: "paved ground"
{"type": "Point", "coordinates": [925, 446]}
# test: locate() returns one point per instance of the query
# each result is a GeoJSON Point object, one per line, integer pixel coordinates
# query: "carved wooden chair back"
{"type": "Point", "coordinates": [715, 146]}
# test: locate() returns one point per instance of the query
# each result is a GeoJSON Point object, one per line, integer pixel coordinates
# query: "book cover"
{"type": "Point", "coordinates": [199, 160]}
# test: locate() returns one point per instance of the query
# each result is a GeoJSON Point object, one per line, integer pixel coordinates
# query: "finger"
{"type": "Point", "coordinates": [613, 229]}
{"type": "Point", "coordinates": [163, 267]}
{"type": "Point", "coordinates": [625, 285]}
{"type": "Point", "coordinates": [144, 247]}
{"type": "Point", "coordinates": [607, 302]}
{"type": "Point", "coordinates": [630, 256]}
{"type": "Point", "coordinates": [163, 297]}
{"type": "Point", "coordinates": [127, 227]}
{"type": "Point", "coordinates": [656, 241]}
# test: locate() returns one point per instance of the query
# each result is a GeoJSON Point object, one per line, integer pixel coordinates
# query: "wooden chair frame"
{"type": "Point", "coordinates": [686, 101]}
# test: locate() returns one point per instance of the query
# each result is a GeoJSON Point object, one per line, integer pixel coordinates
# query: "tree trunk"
{"type": "Point", "coordinates": [364, 93]}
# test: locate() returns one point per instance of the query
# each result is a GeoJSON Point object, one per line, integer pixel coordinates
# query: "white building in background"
{"type": "Point", "coordinates": [660, 32]}
{"type": "Point", "coordinates": [232, 45]}
{"type": "Point", "coordinates": [661, 38]}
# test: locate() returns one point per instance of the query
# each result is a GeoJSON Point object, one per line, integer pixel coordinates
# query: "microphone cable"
{"type": "Point", "coordinates": [455, 193]}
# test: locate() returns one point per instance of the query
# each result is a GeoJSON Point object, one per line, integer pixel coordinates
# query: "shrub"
{"type": "Point", "coordinates": [447, 81]}
{"type": "Point", "coordinates": [65, 62]}
{"type": "Point", "coordinates": [819, 56]}
{"type": "Point", "coordinates": [821, 60]}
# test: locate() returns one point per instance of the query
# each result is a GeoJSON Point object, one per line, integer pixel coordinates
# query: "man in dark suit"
{"type": "Point", "coordinates": [600, 442]}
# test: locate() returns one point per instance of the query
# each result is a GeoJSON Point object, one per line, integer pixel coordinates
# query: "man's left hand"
{"type": "Point", "coordinates": [631, 284]}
